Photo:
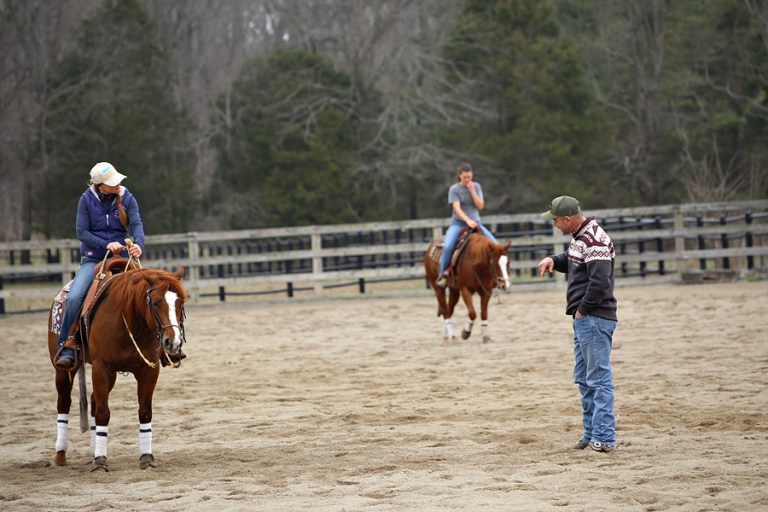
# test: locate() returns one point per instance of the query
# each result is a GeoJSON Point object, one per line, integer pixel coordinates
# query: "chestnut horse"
{"type": "Point", "coordinates": [481, 267]}
{"type": "Point", "coordinates": [135, 321]}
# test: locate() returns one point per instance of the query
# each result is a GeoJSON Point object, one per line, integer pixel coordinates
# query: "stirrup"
{"type": "Point", "coordinates": [58, 360]}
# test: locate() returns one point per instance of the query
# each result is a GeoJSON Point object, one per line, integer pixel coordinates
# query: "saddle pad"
{"type": "Point", "coordinates": [57, 308]}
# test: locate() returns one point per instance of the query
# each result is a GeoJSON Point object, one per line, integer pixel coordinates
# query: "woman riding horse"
{"type": "Point", "coordinates": [106, 213]}
{"type": "Point", "coordinates": [466, 199]}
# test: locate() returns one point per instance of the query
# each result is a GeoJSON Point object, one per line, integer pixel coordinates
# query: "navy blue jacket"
{"type": "Point", "coordinates": [98, 222]}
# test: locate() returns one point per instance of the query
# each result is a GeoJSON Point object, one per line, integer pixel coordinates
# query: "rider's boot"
{"type": "Point", "coordinates": [65, 357]}
{"type": "Point", "coordinates": [442, 281]}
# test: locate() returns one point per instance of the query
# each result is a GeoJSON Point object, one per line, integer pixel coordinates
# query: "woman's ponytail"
{"type": "Point", "coordinates": [121, 211]}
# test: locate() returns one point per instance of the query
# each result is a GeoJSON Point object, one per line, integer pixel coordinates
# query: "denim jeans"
{"type": "Point", "coordinates": [77, 291]}
{"type": "Point", "coordinates": [451, 236]}
{"type": "Point", "coordinates": [593, 338]}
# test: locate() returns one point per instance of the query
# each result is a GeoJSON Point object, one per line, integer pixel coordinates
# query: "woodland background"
{"type": "Point", "coordinates": [231, 114]}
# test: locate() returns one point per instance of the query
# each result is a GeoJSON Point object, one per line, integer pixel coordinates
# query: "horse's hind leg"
{"type": "Point", "coordinates": [453, 298]}
{"type": "Point", "coordinates": [64, 382]}
{"type": "Point", "coordinates": [467, 296]}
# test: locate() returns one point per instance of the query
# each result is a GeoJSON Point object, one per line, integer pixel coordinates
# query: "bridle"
{"type": "Point", "coordinates": [159, 327]}
{"type": "Point", "coordinates": [496, 280]}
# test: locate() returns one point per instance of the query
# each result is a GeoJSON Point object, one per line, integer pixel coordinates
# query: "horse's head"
{"type": "Point", "coordinates": [165, 304]}
{"type": "Point", "coordinates": [501, 258]}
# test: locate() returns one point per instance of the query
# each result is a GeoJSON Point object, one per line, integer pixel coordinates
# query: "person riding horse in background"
{"type": "Point", "coordinates": [106, 213]}
{"type": "Point", "coordinates": [466, 200]}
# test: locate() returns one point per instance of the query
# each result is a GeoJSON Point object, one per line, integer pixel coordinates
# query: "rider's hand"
{"type": "Point", "coordinates": [135, 250]}
{"type": "Point", "coordinates": [115, 247]}
{"type": "Point", "coordinates": [471, 223]}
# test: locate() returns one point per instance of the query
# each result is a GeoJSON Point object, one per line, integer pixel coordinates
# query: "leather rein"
{"type": "Point", "coordinates": [159, 328]}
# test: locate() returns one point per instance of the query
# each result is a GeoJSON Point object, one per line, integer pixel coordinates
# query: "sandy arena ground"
{"type": "Point", "coordinates": [358, 405]}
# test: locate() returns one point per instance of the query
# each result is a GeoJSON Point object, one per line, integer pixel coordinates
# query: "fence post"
{"type": "Point", "coordinates": [724, 242]}
{"type": "Point", "coordinates": [2, 301]}
{"type": "Point", "coordinates": [317, 262]}
{"type": "Point", "coordinates": [641, 248]}
{"type": "Point", "coordinates": [220, 275]}
{"type": "Point", "coordinates": [748, 241]}
{"type": "Point", "coordinates": [702, 245]}
{"type": "Point", "coordinates": [659, 245]}
{"type": "Point", "coordinates": [193, 272]}
{"type": "Point", "coordinates": [66, 261]}
{"type": "Point", "coordinates": [680, 244]}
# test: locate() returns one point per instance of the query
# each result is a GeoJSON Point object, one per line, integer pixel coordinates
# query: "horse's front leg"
{"type": "Point", "coordinates": [453, 298]}
{"type": "Point", "coordinates": [63, 403]}
{"type": "Point", "coordinates": [146, 381]}
{"type": "Point", "coordinates": [103, 380]}
{"type": "Point", "coordinates": [466, 294]}
{"type": "Point", "coordinates": [484, 330]}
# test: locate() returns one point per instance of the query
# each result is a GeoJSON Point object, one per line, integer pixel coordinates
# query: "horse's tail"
{"type": "Point", "coordinates": [83, 398]}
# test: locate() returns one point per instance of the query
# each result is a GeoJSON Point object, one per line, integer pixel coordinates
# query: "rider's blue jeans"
{"type": "Point", "coordinates": [451, 236]}
{"type": "Point", "coordinates": [593, 339]}
{"type": "Point", "coordinates": [77, 291]}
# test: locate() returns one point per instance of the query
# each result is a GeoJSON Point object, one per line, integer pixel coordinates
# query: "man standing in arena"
{"type": "Point", "coordinates": [589, 264]}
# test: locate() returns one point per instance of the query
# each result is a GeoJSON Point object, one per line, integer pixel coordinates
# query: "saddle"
{"type": "Point", "coordinates": [77, 338]}
{"type": "Point", "coordinates": [458, 249]}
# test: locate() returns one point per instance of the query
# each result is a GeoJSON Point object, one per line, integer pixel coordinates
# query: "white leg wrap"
{"type": "Point", "coordinates": [484, 327]}
{"type": "Point", "coordinates": [62, 432]}
{"type": "Point", "coordinates": [448, 329]}
{"type": "Point", "coordinates": [100, 448]}
{"type": "Point", "coordinates": [145, 438]}
{"type": "Point", "coordinates": [468, 326]}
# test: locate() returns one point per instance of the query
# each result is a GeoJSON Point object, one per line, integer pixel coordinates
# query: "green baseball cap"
{"type": "Point", "coordinates": [562, 206]}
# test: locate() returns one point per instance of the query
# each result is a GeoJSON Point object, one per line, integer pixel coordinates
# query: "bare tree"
{"type": "Point", "coordinates": [34, 35]}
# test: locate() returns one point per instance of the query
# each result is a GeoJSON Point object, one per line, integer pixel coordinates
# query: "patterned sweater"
{"type": "Point", "coordinates": [589, 264]}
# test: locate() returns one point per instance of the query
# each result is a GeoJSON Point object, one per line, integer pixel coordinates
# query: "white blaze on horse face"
{"type": "Point", "coordinates": [503, 262]}
{"type": "Point", "coordinates": [170, 299]}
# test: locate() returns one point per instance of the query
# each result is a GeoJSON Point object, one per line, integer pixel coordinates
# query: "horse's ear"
{"type": "Point", "coordinates": [506, 247]}
{"type": "Point", "coordinates": [180, 273]}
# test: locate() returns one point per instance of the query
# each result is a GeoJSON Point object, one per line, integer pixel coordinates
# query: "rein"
{"type": "Point", "coordinates": [149, 363]}
{"type": "Point", "coordinates": [159, 328]}
{"type": "Point", "coordinates": [480, 281]}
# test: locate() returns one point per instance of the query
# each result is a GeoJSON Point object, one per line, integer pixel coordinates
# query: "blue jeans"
{"type": "Point", "coordinates": [77, 291]}
{"type": "Point", "coordinates": [593, 338]}
{"type": "Point", "coordinates": [451, 236]}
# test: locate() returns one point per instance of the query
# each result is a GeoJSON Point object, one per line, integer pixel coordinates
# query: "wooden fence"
{"type": "Point", "coordinates": [655, 243]}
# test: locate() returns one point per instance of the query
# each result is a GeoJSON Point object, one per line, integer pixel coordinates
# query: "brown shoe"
{"type": "Point", "coordinates": [442, 281]}
{"type": "Point", "coordinates": [65, 360]}
{"type": "Point", "coordinates": [581, 445]}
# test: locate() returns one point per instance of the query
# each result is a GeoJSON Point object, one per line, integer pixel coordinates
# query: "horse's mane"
{"type": "Point", "coordinates": [134, 283]}
{"type": "Point", "coordinates": [481, 245]}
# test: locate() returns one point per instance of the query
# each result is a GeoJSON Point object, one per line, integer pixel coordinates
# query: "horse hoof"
{"type": "Point", "coordinates": [146, 461]}
{"type": "Point", "coordinates": [61, 458]}
{"type": "Point", "coordinates": [465, 334]}
{"type": "Point", "coordinates": [100, 462]}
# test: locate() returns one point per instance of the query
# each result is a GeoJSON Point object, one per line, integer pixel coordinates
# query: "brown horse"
{"type": "Point", "coordinates": [481, 267]}
{"type": "Point", "coordinates": [135, 321]}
